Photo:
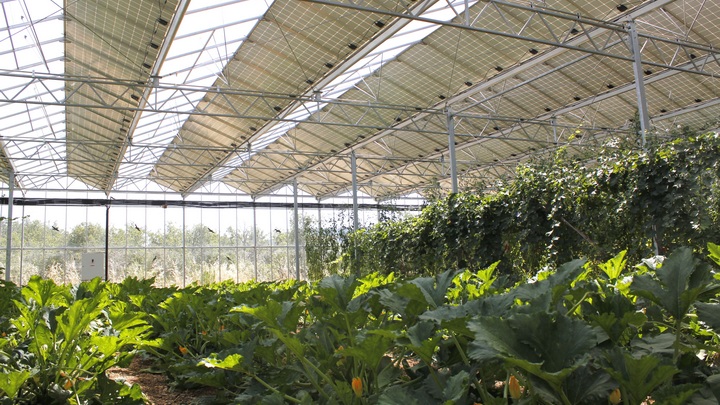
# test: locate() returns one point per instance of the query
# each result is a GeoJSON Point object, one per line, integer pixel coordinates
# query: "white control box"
{"type": "Point", "coordinates": [93, 265]}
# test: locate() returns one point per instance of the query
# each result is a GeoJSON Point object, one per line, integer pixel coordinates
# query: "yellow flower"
{"type": "Point", "coordinates": [357, 386]}
{"type": "Point", "coordinates": [514, 388]}
{"type": "Point", "coordinates": [615, 398]}
{"type": "Point", "coordinates": [183, 350]}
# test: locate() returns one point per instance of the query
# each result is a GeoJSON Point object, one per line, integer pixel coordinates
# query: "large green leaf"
{"type": "Point", "coordinates": [370, 347]}
{"type": "Point", "coordinates": [614, 267]}
{"type": "Point", "coordinates": [616, 315]}
{"type": "Point", "coordinates": [44, 292]}
{"type": "Point", "coordinates": [337, 290]}
{"type": "Point", "coordinates": [453, 317]}
{"type": "Point", "coordinates": [397, 396]}
{"type": "Point", "coordinates": [43, 342]}
{"type": "Point", "coordinates": [675, 394]}
{"type": "Point", "coordinates": [274, 313]}
{"type": "Point", "coordinates": [394, 302]}
{"type": "Point", "coordinates": [76, 319]}
{"type": "Point", "coordinates": [542, 294]}
{"type": "Point", "coordinates": [421, 339]}
{"type": "Point", "coordinates": [680, 281]}
{"type": "Point", "coordinates": [638, 377]}
{"type": "Point", "coordinates": [273, 399]}
{"type": "Point", "coordinates": [233, 362]}
{"type": "Point", "coordinates": [407, 300]}
{"type": "Point", "coordinates": [714, 252]}
{"type": "Point", "coordinates": [119, 393]}
{"type": "Point", "coordinates": [712, 387]}
{"type": "Point", "coordinates": [456, 388]}
{"type": "Point", "coordinates": [291, 342]}
{"type": "Point", "coordinates": [710, 314]}
{"type": "Point", "coordinates": [434, 289]}
{"type": "Point", "coordinates": [555, 341]}
{"type": "Point", "coordinates": [588, 385]}
{"type": "Point", "coordinates": [12, 381]}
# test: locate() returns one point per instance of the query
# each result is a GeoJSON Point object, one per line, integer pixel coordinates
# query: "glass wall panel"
{"type": "Point", "coordinates": [146, 237]}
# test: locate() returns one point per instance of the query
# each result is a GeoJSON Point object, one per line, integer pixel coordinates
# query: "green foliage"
{"type": "Point", "coordinates": [566, 336]}
{"type": "Point", "coordinates": [559, 208]}
{"type": "Point", "coordinates": [322, 247]}
{"type": "Point", "coordinates": [62, 340]}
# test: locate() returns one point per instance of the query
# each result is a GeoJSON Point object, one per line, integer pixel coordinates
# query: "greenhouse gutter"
{"type": "Point", "coordinates": [90, 202]}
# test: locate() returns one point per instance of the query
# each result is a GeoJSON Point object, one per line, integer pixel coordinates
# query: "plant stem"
{"type": "Point", "coordinates": [563, 397]}
{"type": "Point", "coordinates": [465, 360]}
{"type": "Point", "coordinates": [678, 330]}
{"type": "Point", "coordinates": [577, 304]}
{"type": "Point", "coordinates": [481, 387]}
{"type": "Point", "coordinates": [273, 389]}
{"type": "Point", "coordinates": [306, 363]}
{"type": "Point", "coordinates": [347, 325]}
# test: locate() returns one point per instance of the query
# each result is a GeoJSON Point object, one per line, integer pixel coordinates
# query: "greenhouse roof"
{"type": "Point", "coordinates": [173, 95]}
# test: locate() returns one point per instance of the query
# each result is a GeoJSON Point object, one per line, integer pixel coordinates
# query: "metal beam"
{"type": "Point", "coordinates": [548, 120]}
{"type": "Point", "coordinates": [451, 150]}
{"type": "Point", "coordinates": [509, 162]}
{"type": "Point", "coordinates": [639, 82]}
{"type": "Point", "coordinates": [20, 94]}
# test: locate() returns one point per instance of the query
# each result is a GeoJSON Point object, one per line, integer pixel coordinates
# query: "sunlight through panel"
{"type": "Point", "coordinates": [411, 34]}
{"type": "Point", "coordinates": [196, 57]}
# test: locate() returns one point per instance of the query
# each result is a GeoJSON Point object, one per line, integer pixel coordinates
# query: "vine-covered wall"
{"type": "Point", "coordinates": [557, 209]}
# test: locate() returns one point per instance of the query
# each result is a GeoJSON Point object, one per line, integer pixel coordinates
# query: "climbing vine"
{"type": "Point", "coordinates": [558, 208]}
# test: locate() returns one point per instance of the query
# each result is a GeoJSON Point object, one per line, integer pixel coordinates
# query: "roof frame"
{"type": "Point", "coordinates": [561, 41]}
{"type": "Point", "coordinates": [336, 71]}
{"type": "Point", "coordinates": [589, 35]}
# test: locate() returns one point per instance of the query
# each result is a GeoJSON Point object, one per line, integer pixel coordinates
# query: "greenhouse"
{"type": "Point", "coordinates": [354, 202]}
{"type": "Point", "coordinates": [155, 120]}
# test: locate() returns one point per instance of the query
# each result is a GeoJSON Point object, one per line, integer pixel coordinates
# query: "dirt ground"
{"type": "Point", "coordinates": [155, 386]}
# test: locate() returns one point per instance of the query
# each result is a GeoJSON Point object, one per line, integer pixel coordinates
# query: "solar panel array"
{"type": "Point", "coordinates": [256, 94]}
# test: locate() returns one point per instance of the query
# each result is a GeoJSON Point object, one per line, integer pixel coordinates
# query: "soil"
{"type": "Point", "coordinates": [156, 387]}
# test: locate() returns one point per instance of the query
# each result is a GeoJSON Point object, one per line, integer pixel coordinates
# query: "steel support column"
{"type": "Point", "coordinates": [639, 82]}
{"type": "Point", "coordinates": [8, 251]}
{"type": "Point", "coordinates": [296, 219]}
{"type": "Point", "coordinates": [353, 170]}
{"type": "Point", "coordinates": [255, 250]}
{"type": "Point", "coordinates": [107, 241]}
{"type": "Point", "coordinates": [22, 244]}
{"type": "Point", "coordinates": [451, 150]}
{"type": "Point", "coordinates": [183, 245]}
